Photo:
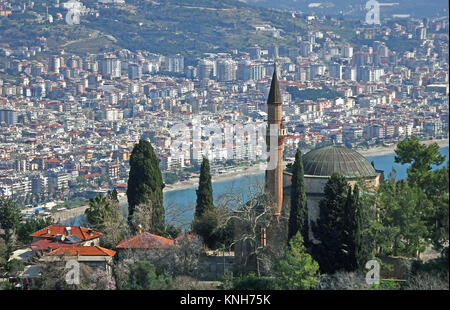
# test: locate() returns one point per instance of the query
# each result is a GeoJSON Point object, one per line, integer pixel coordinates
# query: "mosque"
{"type": "Point", "coordinates": [319, 164]}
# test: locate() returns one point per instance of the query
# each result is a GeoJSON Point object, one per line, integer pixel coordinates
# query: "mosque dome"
{"type": "Point", "coordinates": [327, 160]}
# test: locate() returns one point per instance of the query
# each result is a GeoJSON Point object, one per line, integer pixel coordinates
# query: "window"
{"type": "Point", "coordinates": [263, 241]}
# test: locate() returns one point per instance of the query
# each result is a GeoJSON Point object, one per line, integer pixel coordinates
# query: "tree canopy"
{"type": "Point", "coordinates": [145, 184]}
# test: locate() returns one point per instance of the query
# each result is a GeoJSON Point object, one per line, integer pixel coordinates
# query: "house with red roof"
{"type": "Point", "coordinates": [55, 236]}
{"type": "Point", "coordinates": [92, 256]}
{"type": "Point", "coordinates": [143, 241]}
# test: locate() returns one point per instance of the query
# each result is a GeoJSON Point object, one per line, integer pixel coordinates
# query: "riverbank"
{"type": "Point", "coordinates": [385, 150]}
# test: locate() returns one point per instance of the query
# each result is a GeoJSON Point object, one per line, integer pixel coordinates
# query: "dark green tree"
{"type": "Point", "coordinates": [330, 226]}
{"type": "Point", "coordinates": [143, 275]}
{"type": "Point", "coordinates": [145, 184]}
{"type": "Point", "coordinates": [30, 226]}
{"type": "Point", "coordinates": [204, 192]}
{"type": "Point", "coordinates": [403, 213]}
{"type": "Point", "coordinates": [420, 156]}
{"type": "Point", "coordinates": [9, 221]}
{"type": "Point", "coordinates": [353, 235]}
{"type": "Point", "coordinates": [298, 216]}
{"type": "Point", "coordinates": [435, 184]}
{"type": "Point", "coordinates": [205, 218]}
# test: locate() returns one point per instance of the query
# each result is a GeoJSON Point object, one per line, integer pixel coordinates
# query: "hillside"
{"type": "Point", "coordinates": [190, 27]}
{"type": "Point", "coordinates": [355, 8]}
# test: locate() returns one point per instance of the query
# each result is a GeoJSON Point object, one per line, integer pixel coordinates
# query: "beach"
{"type": "Point", "coordinates": [257, 169]}
{"type": "Point", "coordinates": [384, 150]}
{"type": "Point", "coordinates": [244, 171]}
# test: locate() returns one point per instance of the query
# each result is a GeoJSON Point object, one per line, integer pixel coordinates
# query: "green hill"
{"type": "Point", "coordinates": [189, 27]}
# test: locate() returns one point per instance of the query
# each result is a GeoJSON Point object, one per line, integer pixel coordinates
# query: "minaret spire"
{"type": "Point", "coordinates": [274, 176]}
{"type": "Point", "coordinates": [274, 93]}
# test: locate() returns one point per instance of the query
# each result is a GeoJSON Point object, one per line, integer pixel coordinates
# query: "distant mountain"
{"type": "Point", "coordinates": [189, 27]}
{"type": "Point", "coordinates": [416, 8]}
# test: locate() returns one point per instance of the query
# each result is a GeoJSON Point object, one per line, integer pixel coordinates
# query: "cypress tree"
{"type": "Point", "coordinates": [360, 256]}
{"type": "Point", "coordinates": [351, 232]}
{"type": "Point", "coordinates": [298, 216]}
{"type": "Point", "coordinates": [330, 226]}
{"type": "Point", "coordinates": [145, 184]}
{"type": "Point", "coordinates": [204, 191]}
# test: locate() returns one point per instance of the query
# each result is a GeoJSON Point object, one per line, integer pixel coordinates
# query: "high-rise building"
{"type": "Point", "coordinates": [335, 70]}
{"type": "Point", "coordinates": [134, 71]}
{"type": "Point", "coordinates": [205, 69]}
{"type": "Point", "coordinates": [8, 116]}
{"type": "Point", "coordinates": [349, 73]}
{"type": "Point", "coordinates": [347, 51]}
{"type": "Point", "coordinates": [110, 66]}
{"type": "Point", "coordinates": [54, 64]}
{"type": "Point", "coordinates": [226, 70]}
{"type": "Point", "coordinates": [175, 64]}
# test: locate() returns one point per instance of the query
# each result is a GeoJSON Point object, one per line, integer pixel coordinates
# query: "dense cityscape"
{"type": "Point", "coordinates": [69, 122]}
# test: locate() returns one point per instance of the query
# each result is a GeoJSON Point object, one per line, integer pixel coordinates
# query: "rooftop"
{"type": "Point", "coordinates": [327, 160]}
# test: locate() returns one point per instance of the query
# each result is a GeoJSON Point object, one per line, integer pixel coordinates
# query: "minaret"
{"type": "Point", "coordinates": [274, 175]}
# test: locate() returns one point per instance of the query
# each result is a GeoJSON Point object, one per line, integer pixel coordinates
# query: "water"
{"type": "Point", "coordinates": [180, 204]}
{"type": "Point", "coordinates": [387, 163]}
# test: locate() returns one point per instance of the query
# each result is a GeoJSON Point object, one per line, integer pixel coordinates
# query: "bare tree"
{"type": "Point", "coordinates": [142, 215]}
{"type": "Point", "coordinates": [252, 211]}
{"type": "Point", "coordinates": [428, 281]}
{"type": "Point", "coordinates": [176, 215]}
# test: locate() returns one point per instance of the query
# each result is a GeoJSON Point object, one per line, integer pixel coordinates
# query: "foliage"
{"type": "Point", "coordinates": [204, 192]}
{"type": "Point", "coordinates": [104, 214]}
{"type": "Point", "coordinates": [53, 277]}
{"type": "Point", "coordinates": [182, 258]}
{"type": "Point", "coordinates": [298, 216]}
{"type": "Point", "coordinates": [402, 214]}
{"type": "Point", "coordinates": [25, 229]}
{"type": "Point", "coordinates": [142, 275]}
{"type": "Point", "coordinates": [435, 184]}
{"type": "Point", "coordinates": [205, 226]}
{"type": "Point", "coordinates": [420, 156]}
{"type": "Point", "coordinates": [6, 286]}
{"type": "Point", "coordinates": [173, 231]}
{"type": "Point", "coordinates": [353, 235]}
{"type": "Point", "coordinates": [249, 282]}
{"type": "Point", "coordinates": [14, 267]}
{"type": "Point", "coordinates": [9, 221]}
{"type": "Point", "coordinates": [3, 251]}
{"type": "Point", "coordinates": [145, 184]}
{"type": "Point", "coordinates": [297, 270]}
{"type": "Point", "coordinates": [427, 281]}
{"type": "Point", "coordinates": [342, 280]}
{"type": "Point", "coordinates": [329, 227]}
{"type": "Point", "coordinates": [386, 284]}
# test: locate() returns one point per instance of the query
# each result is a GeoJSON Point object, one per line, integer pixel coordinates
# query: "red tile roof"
{"type": "Point", "coordinates": [145, 240]}
{"type": "Point", "coordinates": [79, 231]}
{"type": "Point", "coordinates": [45, 244]}
{"type": "Point", "coordinates": [83, 251]}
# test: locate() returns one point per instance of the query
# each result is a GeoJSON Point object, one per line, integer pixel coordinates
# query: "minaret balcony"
{"type": "Point", "coordinates": [282, 132]}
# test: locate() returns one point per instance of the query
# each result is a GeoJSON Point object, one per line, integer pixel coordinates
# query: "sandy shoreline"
{"type": "Point", "coordinates": [385, 150]}
{"type": "Point", "coordinates": [257, 169]}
